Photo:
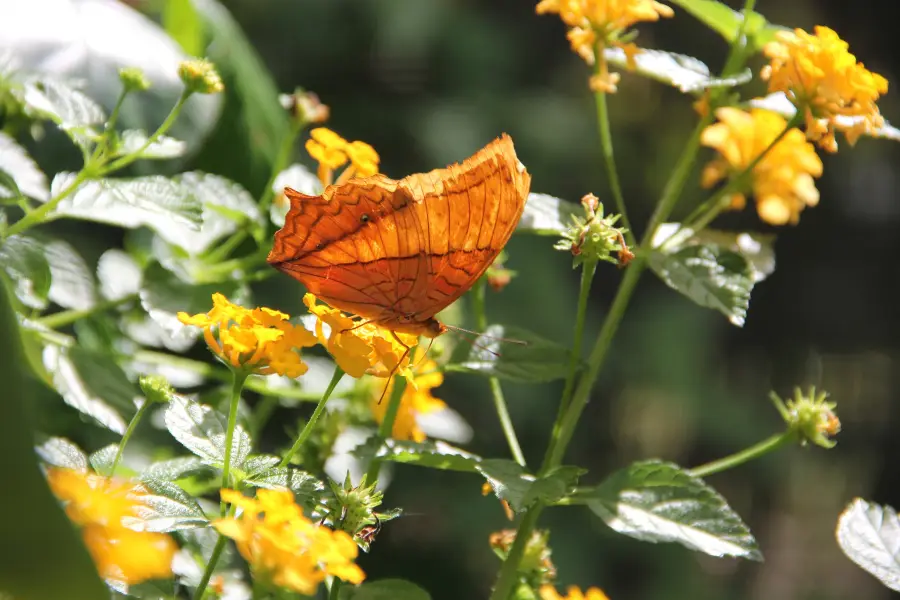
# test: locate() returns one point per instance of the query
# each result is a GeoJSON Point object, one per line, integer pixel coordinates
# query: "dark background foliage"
{"type": "Point", "coordinates": [427, 82]}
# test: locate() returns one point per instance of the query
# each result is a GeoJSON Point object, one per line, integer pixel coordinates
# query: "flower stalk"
{"type": "Point", "coordinates": [314, 418]}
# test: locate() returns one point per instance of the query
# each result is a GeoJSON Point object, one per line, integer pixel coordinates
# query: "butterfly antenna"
{"type": "Point", "coordinates": [491, 337]}
{"type": "Point", "coordinates": [425, 354]}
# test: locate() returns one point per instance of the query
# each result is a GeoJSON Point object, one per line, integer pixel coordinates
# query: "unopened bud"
{"type": "Point", "coordinates": [200, 76]}
{"type": "Point", "coordinates": [134, 79]}
{"type": "Point", "coordinates": [156, 388]}
{"type": "Point", "coordinates": [810, 416]}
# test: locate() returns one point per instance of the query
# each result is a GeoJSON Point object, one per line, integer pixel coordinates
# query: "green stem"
{"type": "Point", "coordinates": [506, 424]}
{"type": "Point", "coordinates": [509, 573]}
{"type": "Point", "coordinates": [110, 126]}
{"type": "Point", "coordinates": [262, 412]}
{"type": "Point", "coordinates": [280, 164]}
{"type": "Point", "coordinates": [609, 159]}
{"type": "Point", "coordinates": [39, 214]}
{"type": "Point", "coordinates": [335, 592]}
{"type": "Point", "coordinates": [127, 435]}
{"type": "Point", "coordinates": [736, 56]}
{"type": "Point", "coordinates": [240, 376]}
{"type": "Point", "coordinates": [67, 317]}
{"type": "Point", "coordinates": [311, 424]}
{"type": "Point", "coordinates": [223, 250]}
{"type": "Point", "coordinates": [387, 424]}
{"type": "Point", "coordinates": [770, 444]}
{"type": "Point", "coordinates": [210, 567]}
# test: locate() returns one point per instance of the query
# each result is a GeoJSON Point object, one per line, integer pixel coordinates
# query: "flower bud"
{"type": "Point", "coordinates": [595, 237]}
{"type": "Point", "coordinates": [810, 417]}
{"type": "Point", "coordinates": [156, 388]}
{"type": "Point", "coordinates": [133, 79]}
{"type": "Point", "coordinates": [200, 76]}
{"type": "Point", "coordinates": [305, 107]}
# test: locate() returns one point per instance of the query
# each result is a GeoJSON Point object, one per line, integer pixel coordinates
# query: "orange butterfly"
{"type": "Point", "coordinates": [398, 252]}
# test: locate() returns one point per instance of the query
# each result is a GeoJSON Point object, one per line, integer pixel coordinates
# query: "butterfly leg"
{"type": "Point", "coordinates": [397, 366]}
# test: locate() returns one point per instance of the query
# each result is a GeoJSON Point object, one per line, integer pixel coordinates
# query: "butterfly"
{"type": "Point", "coordinates": [397, 252]}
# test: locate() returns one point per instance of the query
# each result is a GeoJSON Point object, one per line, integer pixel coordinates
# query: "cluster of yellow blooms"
{"type": "Point", "coordinates": [417, 400]}
{"type": "Point", "coordinates": [283, 546]}
{"type": "Point", "coordinates": [548, 592]}
{"type": "Point", "coordinates": [99, 505]}
{"type": "Point", "coordinates": [332, 151]}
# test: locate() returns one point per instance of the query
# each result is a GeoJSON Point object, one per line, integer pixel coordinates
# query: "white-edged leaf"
{"type": "Point", "coordinates": [72, 283]}
{"type": "Point", "coordinates": [757, 248]}
{"type": "Point", "coordinates": [59, 101]}
{"type": "Point", "coordinates": [655, 501]}
{"type": "Point", "coordinates": [547, 215]}
{"type": "Point", "coordinates": [309, 490]}
{"type": "Point", "coordinates": [166, 508]}
{"type": "Point", "coordinates": [163, 147]}
{"type": "Point", "coordinates": [175, 468]}
{"type": "Point", "coordinates": [512, 483]}
{"type": "Point", "coordinates": [23, 259]}
{"type": "Point", "coordinates": [430, 453]}
{"type": "Point", "coordinates": [686, 73]}
{"type": "Point", "coordinates": [16, 162]}
{"type": "Point", "coordinates": [102, 459]}
{"type": "Point", "coordinates": [869, 534]}
{"type": "Point", "coordinates": [384, 589]}
{"type": "Point", "coordinates": [153, 201]}
{"type": "Point", "coordinates": [119, 274]}
{"type": "Point", "coordinates": [201, 429]}
{"type": "Point", "coordinates": [60, 452]}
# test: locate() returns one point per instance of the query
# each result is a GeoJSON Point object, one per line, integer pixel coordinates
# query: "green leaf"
{"type": "Point", "coordinates": [102, 459]}
{"type": "Point", "coordinates": [433, 454]}
{"type": "Point", "coordinates": [726, 22]}
{"type": "Point", "coordinates": [24, 261]}
{"type": "Point", "coordinates": [72, 283]}
{"type": "Point", "coordinates": [757, 248]}
{"type": "Point", "coordinates": [181, 21]}
{"type": "Point", "coordinates": [163, 147]}
{"type": "Point", "coordinates": [175, 468]}
{"type": "Point", "coordinates": [60, 452]}
{"type": "Point", "coordinates": [547, 215]}
{"type": "Point", "coordinates": [166, 508]}
{"type": "Point", "coordinates": [512, 483]}
{"type": "Point", "coordinates": [710, 276]}
{"type": "Point", "coordinates": [201, 429]}
{"type": "Point", "coordinates": [309, 491]}
{"type": "Point", "coordinates": [869, 534]}
{"type": "Point", "coordinates": [27, 176]}
{"type": "Point", "coordinates": [655, 501]}
{"type": "Point", "coordinates": [536, 360]}
{"type": "Point", "coordinates": [119, 274]}
{"type": "Point", "coordinates": [70, 109]}
{"type": "Point", "coordinates": [153, 201]}
{"type": "Point", "coordinates": [384, 589]}
{"type": "Point", "coordinates": [686, 73]}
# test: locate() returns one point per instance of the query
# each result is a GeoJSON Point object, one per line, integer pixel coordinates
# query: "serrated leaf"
{"type": "Point", "coordinates": [537, 360]}
{"type": "Point", "coordinates": [756, 248]}
{"type": "Point", "coordinates": [309, 491]}
{"type": "Point", "coordinates": [24, 261]}
{"type": "Point", "coordinates": [686, 73]}
{"type": "Point", "coordinates": [547, 215]}
{"type": "Point", "coordinates": [66, 106]}
{"type": "Point", "coordinates": [72, 283]}
{"type": "Point", "coordinates": [166, 508]}
{"type": "Point", "coordinates": [259, 463]}
{"type": "Point", "coordinates": [60, 452]}
{"type": "Point", "coordinates": [201, 429]}
{"type": "Point", "coordinates": [655, 501]}
{"type": "Point", "coordinates": [511, 482]}
{"type": "Point", "coordinates": [163, 147]}
{"type": "Point", "coordinates": [28, 177]}
{"type": "Point", "coordinates": [726, 22]}
{"type": "Point", "coordinates": [710, 276]}
{"type": "Point", "coordinates": [430, 453]}
{"type": "Point", "coordinates": [384, 589]}
{"type": "Point", "coordinates": [869, 534]}
{"type": "Point", "coordinates": [102, 459]}
{"type": "Point", "coordinates": [153, 201]}
{"type": "Point", "coordinates": [175, 468]}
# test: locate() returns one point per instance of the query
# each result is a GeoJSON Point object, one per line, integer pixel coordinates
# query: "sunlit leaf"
{"type": "Point", "coordinates": [69, 108]}
{"type": "Point", "coordinates": [164, 147]}
{"type": "Point", "coordinates": [175, 468]}
{"type": "Point", "coordinates": [430, 453]}
{"type": "Point", "coordinates": [166, 508]}
{"type": "Point", "coordinates": [181, 21]}
{"type": "Point", "coordinates": [547, 215]}
{"type": "Point", "coordinates": [201, 429]}
{"type": "Point", "coordinates": [384, 589]}
{"type": "Point", "coordinates": [535, 360]}
{"type": "Point", "coordinates": [654, 501]}
{"type": "Point", "coordinates": [297, 177]}
{"type": "Point", "coordinates": [309, 491]}
{"type": "Point", "coordinates": [686, 73]}
{"type": "Point", "coordinates": [60, 452]}
{"type": "Point", "coordinates": [869, 534]}
{"type": "Point", "coordinates": [512, 483]}
{"type": "Point", "coordinates": [726, 22]}
{"type": "Point", "coordinates": [23, 259]}
{"type": "Point", "coordinates": [102, 459]}
{"type": "Point", "coordinates": [119, 274]}
{"type": "Point", "coordinates": [72, 283]}
{"type": "Point", "coordinates": [710, 276]}
{"type": "Point", "coordinates": [28, 177]}
{"type": "Point", "coordinates": [757, 248]}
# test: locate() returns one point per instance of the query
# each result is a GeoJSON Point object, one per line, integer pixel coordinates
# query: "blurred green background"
{"type": "Point", "coordinates": [427, 82]}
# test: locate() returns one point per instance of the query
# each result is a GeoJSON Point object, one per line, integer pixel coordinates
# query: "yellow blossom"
{"type": "Point", "coordinates": [282, 545]}
{"type": "Point", "coordinates": [417, 400]}
{"type": "Point", "coordinates": [332, 151]}
{"type": "Point", "coordinates": [260, 340]}
{"type": "Point", "coordinates": [822, 79]}
{"type": "Point", "coordinates": [548, 592]}
{"type": "Point", "coordinates": [99, 505]}
{"type": "Point", "coordinates": [595, 25]}
{"type": "Point", "coordinates": [782, 182]}
{"type": "Point", "coordinates": [361, 348]}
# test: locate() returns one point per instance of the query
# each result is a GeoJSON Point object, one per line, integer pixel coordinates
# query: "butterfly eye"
{"type": "Point", "coordinates": [319, 246]}
{"type": "Point", "coordinates": [364, 218]}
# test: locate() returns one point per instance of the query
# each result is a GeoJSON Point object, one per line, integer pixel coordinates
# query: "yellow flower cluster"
{"type": "Point", "coordinates": [416, 400]}
{"type": "Point", "coordinates": [332, 151]}
{"type": "Point", "coordinates": [548, 592]}
{"type": "Point", "coordinates": [99, 504]}
{"type": "Point", "coordinates": [822, 79]}
{"type": "Point", "coordinates": [259, 340]}
{"type": "Point", "coordinates": [597, 24]}
{"type": "Point", "coordinates": [361, 348]}
{"type": "Point", "coordinates": [285, 547]}
{"type": "Point", "coordinates": [782, 182]}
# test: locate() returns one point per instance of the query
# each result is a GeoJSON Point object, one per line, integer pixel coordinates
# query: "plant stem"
{"type": "Point", "coordinates": [479, 293]}
{"type": "Point", "coordinates": [240, 376]}
{"type": "Point", "coordinates": [67, 317]}
{"type": "Point", "coordinates": [509, 573]}
{"type": "Point", "coordinates": [39, 214]}
{"type": "Point", "coordinates": [280, 164]}
{"type": "Point", "coordinates": [127, 435]}
{"type": "Point", "coordinates": [609, 159]}
{"type": "Point", "coordinates": [335, 591]}
{"type": "Point", "coordinates": [387, 424]}
{"type": "Point", "coordinates": [311, 424]}
{"type": "Point", "coordinates": [736, 56]}
{"type": "Point", "coordinates": [110, 126]}
{"type": "Point", "coordinates": [210, 567]}
{"type": "Point", "coordinates": [770, 444]}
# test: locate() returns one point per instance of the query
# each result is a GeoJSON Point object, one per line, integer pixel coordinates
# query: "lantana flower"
{"type": "Point", "coordinates": [283, 546]}
{"type": "Point", "coordinates": [822, 79]}
{"type": "Point", "coordinates": [361, 348]}
{"type": "Point", "coordinates": [595, 25]}
{"type": "Point", "coordinates": [332, 151]}
{"type": "Point", "coordinates": [100, 506]}
{"type": "Point", "coordinates": [548, 592]}
{"type": "Point", "coordinates": [417, 400]}
{"type": "Point", "coordinates": [260, 340]}
{"type": "Point", "coordinates": [782, 182]}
